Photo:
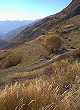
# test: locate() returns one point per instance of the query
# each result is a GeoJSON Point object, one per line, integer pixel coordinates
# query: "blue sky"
{"type": "Point", "coordinates": [30, 9]}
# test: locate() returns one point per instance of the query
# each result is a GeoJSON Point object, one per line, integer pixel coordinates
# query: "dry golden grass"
{"type": "Point", "coordinates": [51, 41]}
{"type": "Point", "coordinates": [23, 55]}
{"type": "Point", "coordinates": [57, 91]}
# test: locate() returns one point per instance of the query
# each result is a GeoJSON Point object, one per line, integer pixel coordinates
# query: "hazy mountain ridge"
{"type": "Point", "coordinates": [14, 28]}
{"type": "Point", "coordinates": [7, 26]}
{"type": "Point", "coordinates": [13, 33]}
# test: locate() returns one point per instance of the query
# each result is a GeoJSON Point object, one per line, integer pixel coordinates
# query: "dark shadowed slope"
{"type": "Point", "coordinates": [3, 44]}
{"type": "Point", "coordinates": [73, 9]}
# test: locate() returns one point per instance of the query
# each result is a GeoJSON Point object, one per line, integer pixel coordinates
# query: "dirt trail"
{"type": "Point", "coordinates": [39, 65]}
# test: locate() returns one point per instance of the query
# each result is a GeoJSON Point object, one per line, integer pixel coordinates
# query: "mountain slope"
{"type": "Point", "coordinates": [7, 26]}
{"type": "Point", "coordinates": [45, 78]}
{"type": "Point", "coordinates": [13, 33]}
{"type": "Point", "coordinates": [70, 14]}
{"type": "Point", "coordinates": [73, 9]}
{"type": "Point", "coordinates": [44, 81]}
{"type": "Point", "coordinates": [3, 44]}
{"type": "Point", "coordinates": [54, 34]}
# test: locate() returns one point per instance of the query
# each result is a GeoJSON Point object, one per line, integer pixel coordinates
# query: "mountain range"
{"type": "Point", "coordinates": [10, 29]}
{"type": "Point", "coordinates": [7, 26]}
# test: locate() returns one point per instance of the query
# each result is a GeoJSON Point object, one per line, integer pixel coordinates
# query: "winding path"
{"type": "Point", "coordinates": [39, 65]}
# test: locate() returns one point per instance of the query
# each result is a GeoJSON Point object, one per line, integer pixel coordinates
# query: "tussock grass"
{"type": "Point", "coordinates": [59, 91]}
{"type": "Point", "coordinates": [51, 41]}
{"type": "Point", "coordinates": [23, 55]}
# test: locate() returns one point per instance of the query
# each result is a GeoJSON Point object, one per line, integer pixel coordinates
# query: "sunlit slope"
{"type": "Point", "coordinates": [24, 55]}
{"type": "Point", "coordinates": [49, 23]}
{"type": "Point", "coordinates": [54, 87]}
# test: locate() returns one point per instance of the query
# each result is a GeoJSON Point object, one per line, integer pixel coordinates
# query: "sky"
{"type": "Point", "coordinates": [30, 9]}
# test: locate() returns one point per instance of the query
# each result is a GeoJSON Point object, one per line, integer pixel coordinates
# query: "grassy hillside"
{"type": "Point", "coordinates": [65, 24]}
{"type": "Point", "coordinates": [49, 23]}
{"type": "Point", "coordinates": [57, 88]}
{"type": "Point", "coordinates": [33, 52]}
{"type": "Point", "coordinates": [24, 55]}
{"type": "Point", "coordinates": [69, 32]}
{"type": "Point", "coordinates": [44, 73]}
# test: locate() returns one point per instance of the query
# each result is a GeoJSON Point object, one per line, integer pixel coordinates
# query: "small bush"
{"type": "Point", "coordinates": [51, 41]}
